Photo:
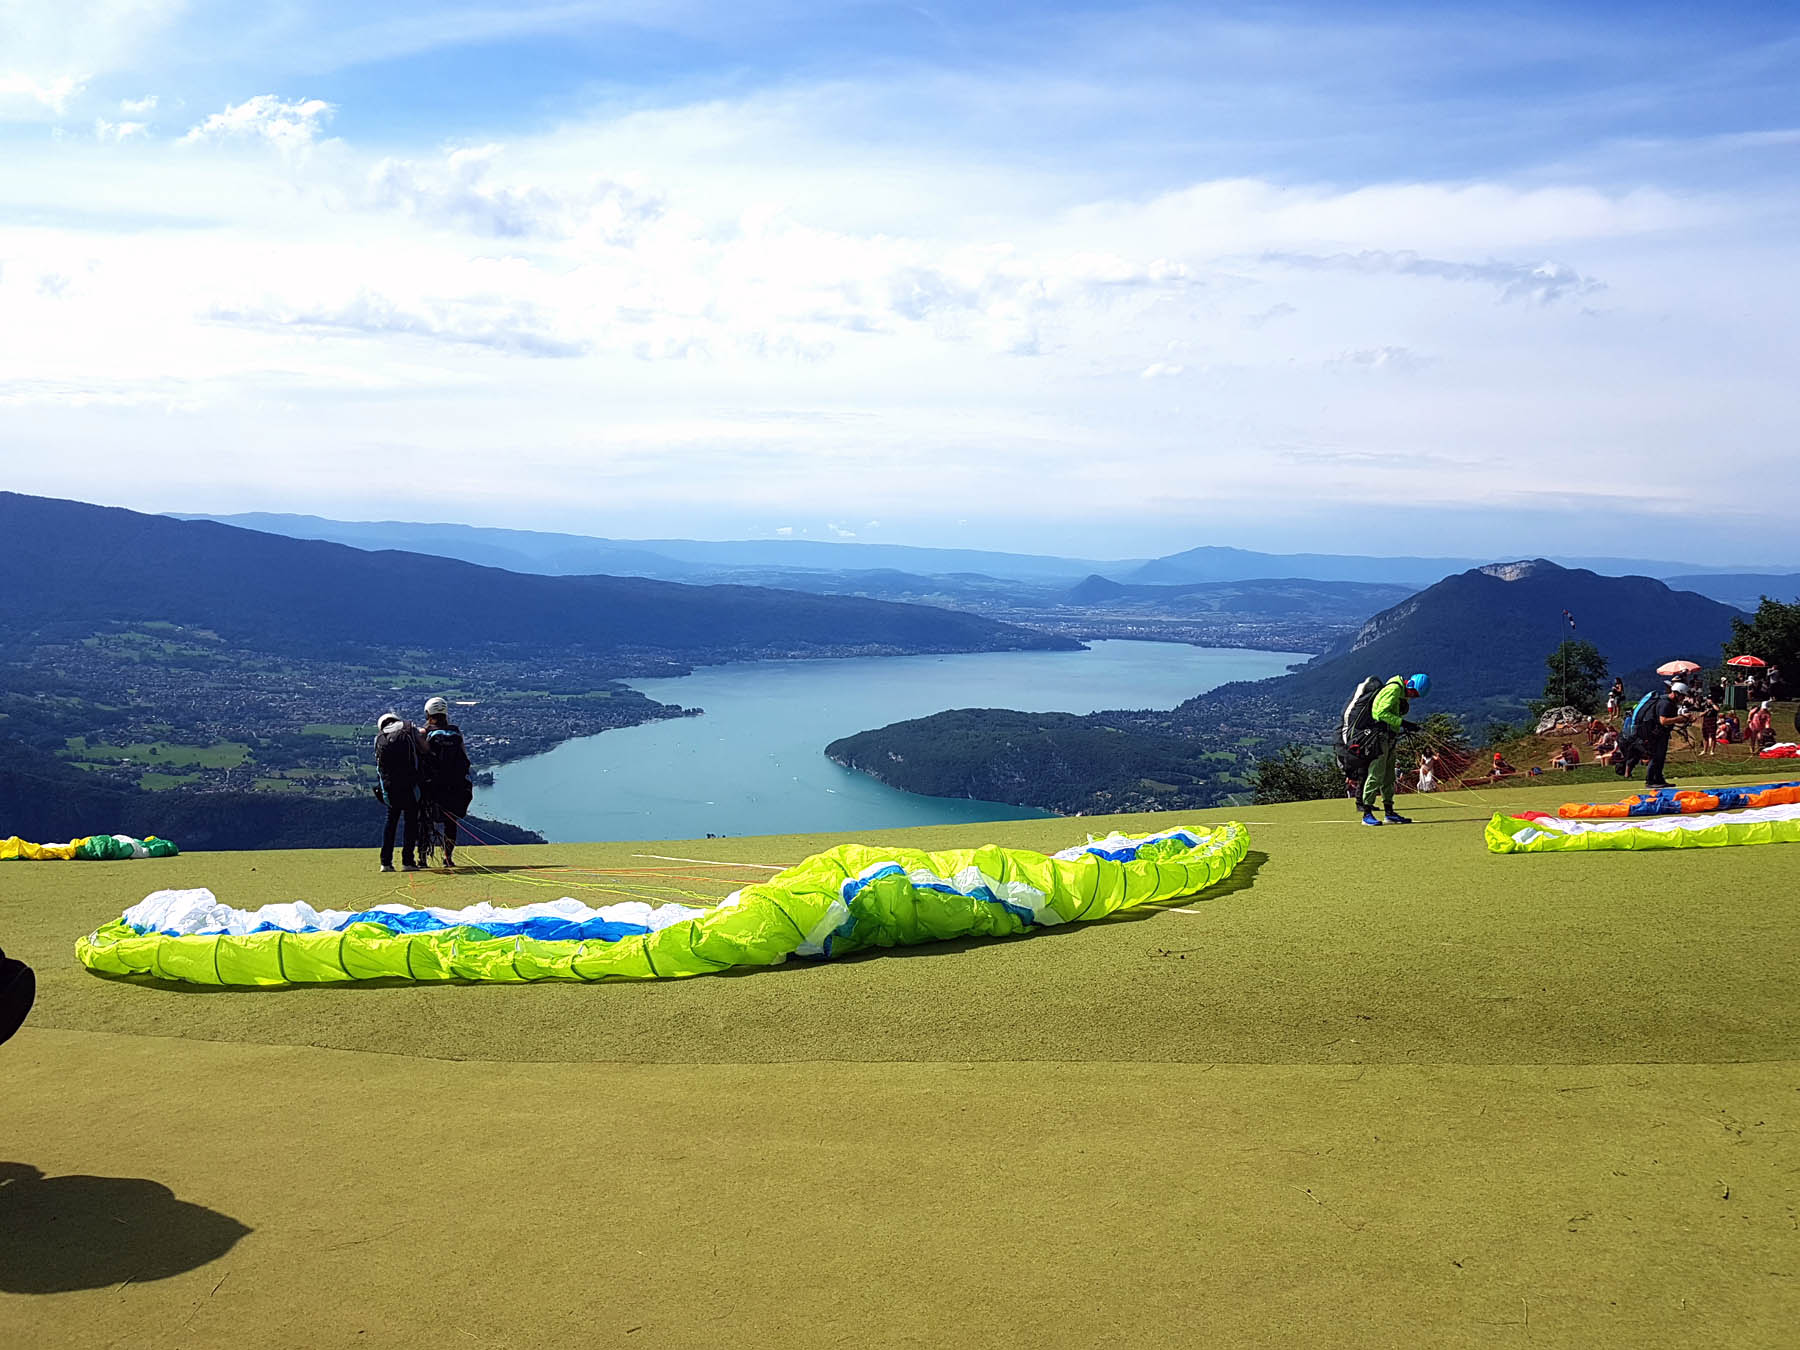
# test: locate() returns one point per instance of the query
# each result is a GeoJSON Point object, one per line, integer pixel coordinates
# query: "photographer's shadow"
{"type": "Point", "coordinates": [59, 1234]}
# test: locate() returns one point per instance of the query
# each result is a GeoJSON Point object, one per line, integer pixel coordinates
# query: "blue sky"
{"type": "Point", "coordinates": [1098, 279]}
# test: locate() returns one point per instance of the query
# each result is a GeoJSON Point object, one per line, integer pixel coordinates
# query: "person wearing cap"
{"type": "Point", "coordinates": [1389, 711]}
{"type": "Point", "coordinates": [397, 761]}
{"type": "Point", "coordinates": [449, 783]}
{"type": "Point", "coordinates": [1665, 716]}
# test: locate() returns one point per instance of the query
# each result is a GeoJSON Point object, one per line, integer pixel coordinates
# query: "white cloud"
{"type": "Point", "coordinates": [23, 95]}
{"type": "Point", "coordinates": [290, 125]}
{"type": "Point", "coordinates": [117, 131]}
{"type": "Point", "coordinates": [1544, 282]}
{"type": "Point", "coordinates": [801, 330]}
{"type": "Point", "coordinates": [138, 107]}
{"type": "Point", "coordinates": [460, 192]}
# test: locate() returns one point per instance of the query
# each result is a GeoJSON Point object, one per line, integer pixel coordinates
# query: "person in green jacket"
{"type": "Point", "coordinates": [1389, 712]}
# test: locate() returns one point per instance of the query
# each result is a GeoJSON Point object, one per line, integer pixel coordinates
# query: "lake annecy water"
{"type": "Point", "coordinates": [755, 762]}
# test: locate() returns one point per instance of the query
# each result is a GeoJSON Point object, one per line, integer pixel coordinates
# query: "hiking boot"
{"type": "Point", "coordinates": [1659, 785]}
{"type": "Point", "coordinates": [1369, 818]}
{"type": "Point", "coordinates": [387, 867]}
{"type": "Point", "coordinates": [409, 867]}
{"type": "Point", "coordinates": [1395, 818]}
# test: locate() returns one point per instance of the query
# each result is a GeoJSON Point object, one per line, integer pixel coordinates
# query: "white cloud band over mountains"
{"type": "Point", "coordinates": [743, 309]}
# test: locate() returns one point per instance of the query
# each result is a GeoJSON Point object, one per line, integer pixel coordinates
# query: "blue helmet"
{"type": "Point", "coordinates": [1418, 685]}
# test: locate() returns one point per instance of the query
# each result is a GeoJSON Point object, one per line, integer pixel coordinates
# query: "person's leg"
{"type": "Point", "coordinates": [409, 835]}
{"type": "Point", "coordinates": [1380, 778]}
{"type": "Point", "coordinates": [387, 835]}
{"type": "Point", "coordinates": [449, 839]}
{"type": "Point", "coordinates": [1653, 766]}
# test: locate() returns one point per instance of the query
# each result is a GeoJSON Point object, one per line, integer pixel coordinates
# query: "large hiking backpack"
{"type": "Point", "coordinates": [1356, 732]}
{"type": "Point", "coordinates": [447, 769]}
{"type": "Point", "coordinates": [1632, 728]}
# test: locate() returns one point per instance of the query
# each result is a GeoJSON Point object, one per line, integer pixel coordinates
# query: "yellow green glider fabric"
{"type": "Point", "coordinates": [94, 847]}
{"type": "Point", "coordinates": [1534, 832]}
{"type": "Point", "coordinates": [846, 899]}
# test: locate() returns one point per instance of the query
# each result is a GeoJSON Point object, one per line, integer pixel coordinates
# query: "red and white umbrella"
{"type": "Point", "coordinates": [1677, 668]}
{"type": "Point", "coordinates": [1747, 661]}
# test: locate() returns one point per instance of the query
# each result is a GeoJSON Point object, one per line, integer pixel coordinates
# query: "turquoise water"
{"type": "Point", "coordinates": [755, 763]}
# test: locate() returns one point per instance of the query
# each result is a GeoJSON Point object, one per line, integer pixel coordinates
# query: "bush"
{"type": "Point", "coordinates": [1295, 774]}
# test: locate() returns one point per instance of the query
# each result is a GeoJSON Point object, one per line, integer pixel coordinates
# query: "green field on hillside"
{"type": "Point", "coordinates": [1379, 1088]}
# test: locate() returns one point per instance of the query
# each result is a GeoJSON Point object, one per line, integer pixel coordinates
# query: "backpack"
{"type": "Point", "coordinates": [447, 767]}
{"type": "Point", "coordinates": [1633, 723]}
{"type": "Point", "coordinates": [1354, 743]}
{"type": "Point", "coordinates": [397, 757]}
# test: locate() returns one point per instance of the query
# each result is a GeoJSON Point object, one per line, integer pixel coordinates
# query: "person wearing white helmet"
{"type": "Point", "coordinates": [449, 779]}
{"type": "Point", "coordinates": [1665, 715]}
{"type": "Point", "coordinates": [397, 751]}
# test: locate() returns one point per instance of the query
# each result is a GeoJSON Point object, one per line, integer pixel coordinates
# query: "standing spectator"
{"type": "Point", "coordinates": [1709, 726]}
{"type": "Point", "coordinates": [397, 752]}
{"type": "Point", "coordinates": [1762, 728]}
{"type": "Point", "coordinates": [1615, 699]}
{"type": "Point", "coordinates": [449, 783]}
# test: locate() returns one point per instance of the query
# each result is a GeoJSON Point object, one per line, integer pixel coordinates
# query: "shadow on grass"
{"type": "Point", "coordinates": [1242, 878]}
{"type": "Point", "coordinates": [59, 1234]}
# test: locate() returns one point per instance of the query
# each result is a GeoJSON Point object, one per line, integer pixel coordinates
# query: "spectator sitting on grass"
{"type": "Point", "coordinates": [1606, 749]}
{"type": "Point", "coordinates": [1567, 757]}
{"type": "Point", "coordinates": [1730, 732]}
{"type": "Point", "coordinates": [1501, 767]}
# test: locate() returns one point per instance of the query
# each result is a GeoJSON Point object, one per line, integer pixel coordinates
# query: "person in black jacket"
{"type": "Point", "coordinates": [18, 987]}
{"type": "Point", "coordinates": [449, 783]}
{"type": "Point", "coordinates": [1663, 717]}
{"type": "Point", "coordinates": [398, 761]}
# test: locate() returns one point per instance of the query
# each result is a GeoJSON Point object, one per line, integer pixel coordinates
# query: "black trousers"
{"type": "Point", "coordinates": [1653, 762]}
{"type": "Point", "coordinates": [410, 836]}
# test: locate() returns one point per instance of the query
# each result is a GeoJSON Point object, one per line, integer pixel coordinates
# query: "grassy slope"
{"type": "Point", "coordinates": [1380, 1087]}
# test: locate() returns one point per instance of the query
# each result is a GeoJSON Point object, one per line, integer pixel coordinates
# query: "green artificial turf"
{"type": "Point", "coordinates": [1380, 1088]}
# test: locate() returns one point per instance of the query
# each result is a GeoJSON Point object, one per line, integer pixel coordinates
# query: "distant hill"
{"type": "Point", "coordinates": [1743, 590]}
{"type": "Point", "coordinates": [68, 563]}
{"type": "Point", "coordinates": [553, 554]}
{"type": "Point", "coordinates": [1236, 564]}
{"type": "Point", "coordinates": [1483, 635]}
{"type": "Point", "coordinates": [1282, 597]}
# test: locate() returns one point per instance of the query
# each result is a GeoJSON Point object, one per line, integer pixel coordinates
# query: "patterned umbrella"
{"type": "Point", "coordinates": [1677, 668]}
{"type": "Point", "coordinates": [1746, 661]}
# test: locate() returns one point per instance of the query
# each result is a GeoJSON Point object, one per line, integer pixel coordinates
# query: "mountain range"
{"type": "Point", "coordinates": [787, 561]}
{"type": "Point", "coordinates": [75, 564]}
{"type": "Point", "coordinates": [1483, 636]}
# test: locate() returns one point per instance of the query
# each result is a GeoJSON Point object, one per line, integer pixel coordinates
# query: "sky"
{"type": "Point", "coordinates": [1091, 280]}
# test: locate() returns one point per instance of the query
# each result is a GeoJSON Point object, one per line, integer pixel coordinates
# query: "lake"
{"type": "Point", "coordinates": [755, 762]}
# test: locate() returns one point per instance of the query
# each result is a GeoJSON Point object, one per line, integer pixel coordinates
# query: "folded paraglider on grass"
{"type": "Point", "coordinates": [94, 847]}
{"type": "Point", "coordinates": [846, 899]}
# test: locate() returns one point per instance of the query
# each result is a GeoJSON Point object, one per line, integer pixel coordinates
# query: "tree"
{"type": "Point", "coordinates": [1441, 733]}
{"type": "Point", "coordinates": [1577, 674]}
{"type": "Point", "coordinates": [1293, 775]}
{"type": "Point", "coordinates": [1772, 633]}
